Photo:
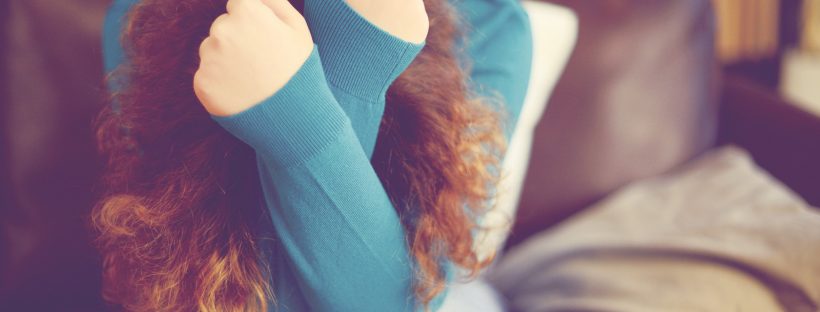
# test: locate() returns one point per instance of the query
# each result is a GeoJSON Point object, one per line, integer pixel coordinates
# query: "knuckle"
{"type": "Point", "coordinates": [218, 32]}
{"type": "Point", "coordinates": [204, 46]}
{"type": "Point", "coordinates": [232, 5]}
{"type": "Point", "coordinates": [241, 5]}
{"type": "Point", "coordinates": [200, 83]}
{"type": "Point", "coordinates": [198, 77]}
{"type": "Point", "coordinates": [218, 27]}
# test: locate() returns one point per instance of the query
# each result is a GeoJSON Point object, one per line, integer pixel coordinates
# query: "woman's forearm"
{"type": "Point", "coordinates": [330, 212]}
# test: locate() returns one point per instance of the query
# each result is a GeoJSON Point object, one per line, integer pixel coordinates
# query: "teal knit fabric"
{"type": "Point", "coordinates": [360, 60]}
{"type": "Point", "coordinates": [337, 243]}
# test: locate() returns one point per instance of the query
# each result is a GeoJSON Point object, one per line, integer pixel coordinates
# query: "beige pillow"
{"type": "Point", "coordinates": [720, 234]}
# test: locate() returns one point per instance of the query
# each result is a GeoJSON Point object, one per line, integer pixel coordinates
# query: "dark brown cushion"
{"type": "Point", "coordinates": [50, 91]}
{"type": "Point", "coordinates": [637, 99]}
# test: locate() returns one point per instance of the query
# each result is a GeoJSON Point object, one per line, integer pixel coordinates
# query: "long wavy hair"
{"type": "Point", "coordinates": [179, 209]}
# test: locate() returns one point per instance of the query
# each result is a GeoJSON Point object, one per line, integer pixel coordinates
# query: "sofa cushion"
{"type": "Point", "coordinates": [636, 99]}
{"type": "Point", "coordinates": [718, 234]}
{"type": "Point", "coordinates": [52, 78]}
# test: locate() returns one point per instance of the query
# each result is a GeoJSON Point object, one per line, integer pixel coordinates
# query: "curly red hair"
{"type": "Point", "coordinates": [178, 213]}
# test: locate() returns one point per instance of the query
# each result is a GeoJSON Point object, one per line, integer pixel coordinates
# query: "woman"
{"type": "Point", "coordinates": [250, 169]}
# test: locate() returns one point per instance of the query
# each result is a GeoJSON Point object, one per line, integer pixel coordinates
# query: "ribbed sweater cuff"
{"type": "Point", "coordinates": [359, 58]}
{"type": "Point", "coordinates": [296, 122]}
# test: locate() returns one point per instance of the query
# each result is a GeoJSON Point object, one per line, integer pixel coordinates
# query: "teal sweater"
{"type": "Point", "coordinates": [337, 243]}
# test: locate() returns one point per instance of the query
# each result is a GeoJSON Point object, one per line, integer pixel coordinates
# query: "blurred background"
{"type": "Point", "coordinates": [649, 86]}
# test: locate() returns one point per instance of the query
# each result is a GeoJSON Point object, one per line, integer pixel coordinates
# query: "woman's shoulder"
{"type": "Point", "coordinates": [498, 48]}
{"type": "Point", "coordinates": [495, 29]}
{"type": "Point", "coordinates": [112, 28]}
{"type": "Point", "coordinates": [509, 11]}
{"type": "Point", "coordinates": [496, 18]}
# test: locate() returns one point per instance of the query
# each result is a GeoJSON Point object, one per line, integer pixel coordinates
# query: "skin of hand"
{"type": "Point", "coordinates": [252, 51]}
{"type": "Point", "coordinates": [405, 19]}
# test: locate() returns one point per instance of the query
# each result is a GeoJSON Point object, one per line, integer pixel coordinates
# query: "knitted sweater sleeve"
{"type": "Point", "coordinates": [329, 209]}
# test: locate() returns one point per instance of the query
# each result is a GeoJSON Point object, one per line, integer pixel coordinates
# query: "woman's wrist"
{"type": "Point", "coordinates": [296, 122]}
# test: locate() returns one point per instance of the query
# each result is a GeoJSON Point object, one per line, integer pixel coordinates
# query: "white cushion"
{"type": "Point", "coordinates": [554, 30]}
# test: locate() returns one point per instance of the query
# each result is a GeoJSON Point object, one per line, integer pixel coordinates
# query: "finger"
{"type": "Point", "coordinates": [205, 46]}
{"type": "Point", "coordinates": [285, 11]}
{"type": "Point", "coordinates": [233, 6]}
{"type": "Point", "coordinates": [218, 25]}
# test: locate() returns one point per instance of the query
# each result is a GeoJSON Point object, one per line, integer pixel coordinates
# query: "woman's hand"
{"type": "Point", "coordinates": [406, 19]}
{"type": "Point", "coordinates": [252, 52]}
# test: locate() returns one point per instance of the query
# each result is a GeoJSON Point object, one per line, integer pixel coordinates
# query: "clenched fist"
{"type": "Point", "coordinates": [252, 51]}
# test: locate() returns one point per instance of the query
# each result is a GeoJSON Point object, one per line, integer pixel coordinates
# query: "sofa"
{"type": "Point", "coordinates": [641, 96]}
